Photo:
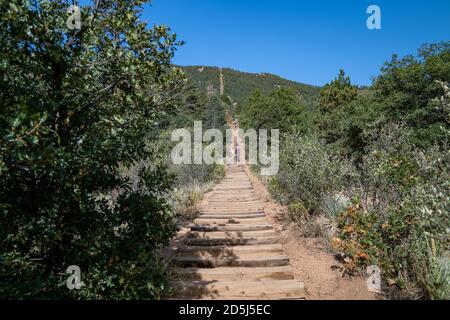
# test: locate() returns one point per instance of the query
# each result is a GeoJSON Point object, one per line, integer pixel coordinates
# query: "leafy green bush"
{"type": "Point", "coordinates": [277, 191]}
{"type": "Point", "coordinates": [76, 106]}
{"type": "Point", "coordinates": [216, 173]}
{"type": "Point", "coordinates": [407, 90]}
{"type": "Point", "coordinates": [359, 242]}
{"type": "Point", "coordinates": [428, 203]}
{"type": "Point", "coordinates": [280, 109]}
{"type": "Point", "coordinates": [403, 226]}
{"type": "Point", "coordinates": [192, 182]}
{"type": "Point", "coordinates": [308, 172]}
{"type": "Point", "coordinates": [297, 211]}
{"type": "Point", "coordinates": [185, 200]}
{"type": "Point", "coordinates": [337, 93]}
{"type": "Point", "coordinates": [388, 171]}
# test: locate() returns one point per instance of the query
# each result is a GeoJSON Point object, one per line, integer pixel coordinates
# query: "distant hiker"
{"type": "Point", "coordinates": [238, 154]}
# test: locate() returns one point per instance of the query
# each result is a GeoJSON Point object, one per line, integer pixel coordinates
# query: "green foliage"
{"type": "Point", "coordinates": [216, 173]}
{"type": "Point", "coordinates": [360, 241]}
{"type": "Point", "coordinates": [191, 104]}
{"type": "Point", "coordinates": [280, 109]}
{"type": "Point", "coordinates": [410, 90]}
{"type": "Point", "coordinates": [344, 128]}
{"type": "Point", "coordinates": [192, 182]}
{"type": "Point", "coordinates": [341, 113]}
{"type": "Point", "coordinates": [396, 136]}
{"type": "Point", "coordinates": [76, 106]}
{"type": "Point", "coordinates": [332, 205]}
{"type": "Point", "coordinates": [298, 209]}
{"type": "Point", "coordinates": [240, 85]}
{"type": "Point", "coordinates": [277, 190]}
{"type": "Point", "coordinates": [402, 222]}
{"type": "Point", "coordinates": [297, 212]}
{"type": "Point", "coordinates": [337, 93]}
{"type": "Point", "coordinates": [407, 90]}
{"type": "Point", "coordinates": [308, 171]}
{"type": "Point", "coordinates": [428, 203]}
{"type": "Point", "coordinates": [216, 113]}
{"type": "Point", "coordinates": [388, 170]}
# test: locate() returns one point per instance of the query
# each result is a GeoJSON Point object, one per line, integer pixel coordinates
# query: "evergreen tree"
{"type": "Point", "coordinates": [76, 106]}
{"type": "Point", "coordinates": [337, 93]}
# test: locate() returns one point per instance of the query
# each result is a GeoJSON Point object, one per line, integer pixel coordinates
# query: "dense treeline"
{"type": "Point", "coordinates": [84, 142]}
{"type": "Point", "coordinates": [368, 169]}
{"type": "Point", "coordinates": [240, 85]}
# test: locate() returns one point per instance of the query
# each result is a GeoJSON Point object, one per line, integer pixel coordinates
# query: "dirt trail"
{"type": "Point", "coordinates": [222, 86]}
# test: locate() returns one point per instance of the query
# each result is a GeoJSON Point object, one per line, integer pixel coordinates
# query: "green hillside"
{"type": "Point", "coordinates": [239, 85]}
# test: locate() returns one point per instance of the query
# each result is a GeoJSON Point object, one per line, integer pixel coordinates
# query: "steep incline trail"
{"type": "Point", "coordinates": [231, 251]}
{"type": "Point", "coordinates": [222, 86]}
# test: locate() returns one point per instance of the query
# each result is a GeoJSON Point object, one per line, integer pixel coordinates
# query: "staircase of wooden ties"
{"type": "Point", "coordinates": [232, 252]}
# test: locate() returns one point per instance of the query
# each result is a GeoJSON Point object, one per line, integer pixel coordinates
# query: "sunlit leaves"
{"type": "Point", "coordinates": [76, 105]}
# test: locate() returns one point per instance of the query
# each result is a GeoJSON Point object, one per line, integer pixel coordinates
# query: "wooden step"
{"type": "Point", "coordinates": [231, 234]}
{"type": "Point", "coordinates": [234, 274]}
{"type": "Point", "coordinates": [235, 182]}
{"type": "Point", "coordinates": [235, 199]}
{"type": "Point", "coordinates": [235, 290]}
{"type": "Point", "coordinates": [243, 260]}
{"type": "Point", "coordinates": [237, 196]}
{"type": "Point", "coordinates": [215, 199]}
{"type": "Point", "coordinates": [216, 251]}
{"type": "Point", "coordinates": [236, 210]}
{"type": "Point", "coordinates": [233, 209]}
{"type": "Point", "coordinates": [235, 205]}
{"type": "Point", "coordinates": [233, 187]}
{"type": "Point", "coordinates": [235, 221]}
{"type": "Point", "coordinates": [230, 211]}
{"type": "Point", "coordinates": [231, 216]}
{"type": "Point", "coordinates": [230, 227]}
{"type": "Point", "coordinates": [230, 241]}
{"type": "Point", "coordinates": [233, 190]}
{"type": "Point", "coordinates": [242, 193]}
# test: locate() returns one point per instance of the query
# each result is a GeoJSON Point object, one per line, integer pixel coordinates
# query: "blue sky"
{"type": "Point", "coordinates": [303, 40]}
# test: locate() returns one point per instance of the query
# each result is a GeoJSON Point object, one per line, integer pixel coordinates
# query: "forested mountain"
{"type": "Point", "coordinates": [240, 85]}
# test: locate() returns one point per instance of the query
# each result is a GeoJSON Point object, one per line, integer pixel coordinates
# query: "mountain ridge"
{"type": "Point", "coordinates": [239, 85]}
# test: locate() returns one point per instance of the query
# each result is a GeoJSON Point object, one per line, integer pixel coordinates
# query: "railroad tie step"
{"type": "Point", "coordinates": [245, 260]}
{"type": "Point", "coordinates": [230, 241]}
{"type": "Point", "coordinates": [228, 216]}
{"type": "Point", "coordinates": [230, 227]}
{"type": "Point", "coordinates": [235, 290]}
{"type": "Point", "coordinates": [234, 273]}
